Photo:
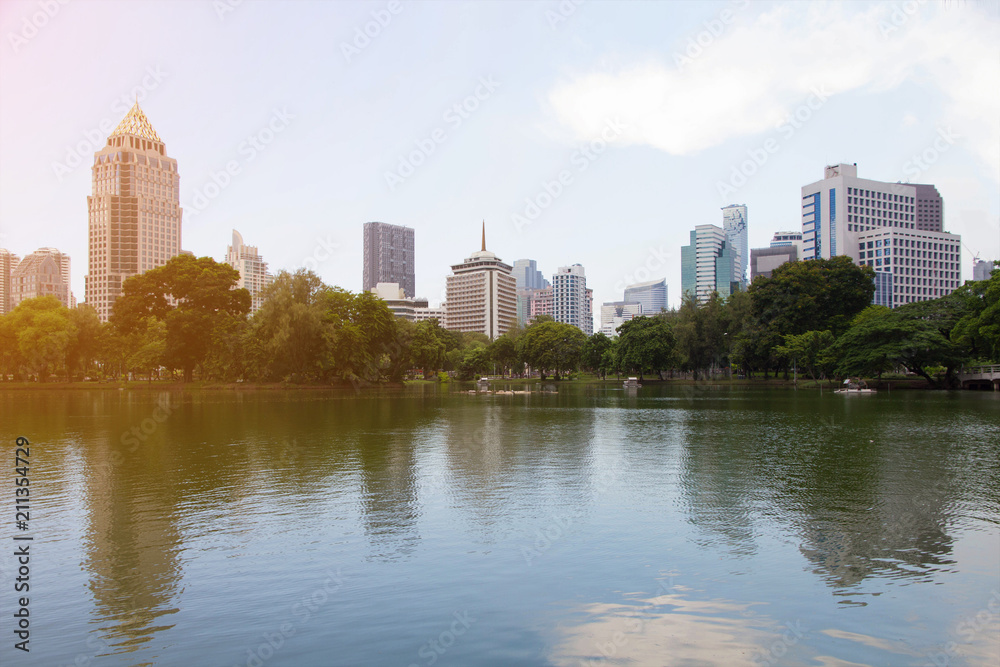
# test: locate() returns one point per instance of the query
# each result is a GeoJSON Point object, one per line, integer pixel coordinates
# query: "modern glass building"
{"type": "Point", "coordinates": [651, 294]}
{"type": "Point", "coordinates": [708, 264]}
{"type": "Point", "coordinates": [734, 224]}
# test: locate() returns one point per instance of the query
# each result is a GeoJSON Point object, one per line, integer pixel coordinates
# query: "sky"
{"type": "Point", "coordinates": [598, 133]}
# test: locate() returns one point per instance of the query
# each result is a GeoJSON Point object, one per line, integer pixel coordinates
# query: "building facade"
{"type": "Point", "coordinates": [651, 294]}
{"type": "Point", "coordinates": [481, 295]}
{"type": "Point", "coordinates": [253, 269]}
{"type": "Point", "coordinates": [570, 302]}
{"type": "Point", "coordinates": [763, 261]}
{"type": "Point", "coordinates": [734, 224]}
{"type": "Point", "coordinates": [616, 313]}
{"type": "Point", "coordinates": [399, 304]}
{"type": "Point", "coordinates": [388, 256]}
{"type": "Point", "coordinates": [838, 208]}
{"type": "Point", "coordinates": [541, 303]}
{"type": "Point", "coordinates": [911, 265]}
{"type": "Point", "coordinates": [428, 313]}
{"type": "Point", "coordinates": [45, 272]}
{"type": "Point", "coordinates": [708, 264]}
{"type": "Point", "coordinates": [8, 262]}
{"type": "Point", "coordinates": [527, 275]}
{"type": "Point", "coordinates": [981, 270]}
{"type": "Point", "coordinates": [930, 208]}
{"type": "Point", "coordinates": [134, 211]}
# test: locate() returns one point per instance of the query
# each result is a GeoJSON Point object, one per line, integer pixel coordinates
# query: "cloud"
{"type": "Point", "coordinates": [759, 68]}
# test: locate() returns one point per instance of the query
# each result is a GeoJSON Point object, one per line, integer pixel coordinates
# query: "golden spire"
{"type": "Point", "coordinates": [136, 123]}
{"type": "Point", "coordinates": [484, 236]}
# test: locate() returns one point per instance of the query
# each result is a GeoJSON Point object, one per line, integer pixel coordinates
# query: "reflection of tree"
{"type": "Point", "coordinates": [861, 508]}
{"type": "Point", "coordinates": [132, 540]}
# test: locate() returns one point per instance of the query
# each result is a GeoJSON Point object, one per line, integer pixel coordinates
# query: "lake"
{"type": "Point", "coordinates": [427, 526]}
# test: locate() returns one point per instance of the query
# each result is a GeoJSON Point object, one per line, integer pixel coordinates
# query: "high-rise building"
{"type": "Point", "coordinates": [134, 209]}
{"type": "Point", "coordinates": [930, 208]}
{"type": "Point", "coordinates": [541, 303]}
{"type": "Point", "coordinates": [8, 262]}
{"type": "Point", "coordinates": [981, 270]}
{"type": "Point", "coordinates": [389, 256]}
{"type": "Point", "coordinates": [569, 298]}
{"type": "Point", "coordinates": [875, 224]}
{"type": "Point", "coordinates": [651, 294]}
{"type": "Point", "coordinates": [841, 206]}
{"type": "Point", "coordinates": [45, 272]}
{"type": "Point", "coordinates": [252, 267]}
{"type": "Point", "coordinates": [781, 239]}
{"type": "Point", "coordinates": [527, 275]}
{"type": "Point", "coordinates": [734, 224]}
{"type": "Point", "coordinates": [708, 264]}
{"type": "Point", "coordinates": [616, 313]}
{"type": "Point", "coordinates": [440, 314]}
{"type": "Point", "coordinates": [910, 265]}
{"type": "Point", "coordinates": [481, 294]}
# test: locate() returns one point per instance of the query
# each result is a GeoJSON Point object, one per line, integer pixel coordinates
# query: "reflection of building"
{"type": "Point", "coordinates": [8, 262]}
{"type": "Point", "coordinates": [134, 209]}
{"type": "Point", "coordinates": [388, 256]}
{"type": "Point", "coordinates": [252, 267]}
{"type": "Point", "coordinates": [481, 294]}
{"type": "Point", "coordinates": [395, 298]}
{"type": "Point", "coordinates": [708, 264]}
{"type": "Point", "coordinates": [616, 313]}
{"type": "Point", "coordinates": [45, 272]}
{"type": "Point", "coordinates": [571, 302]}
{"type": "Point", "coordinates": [651, 294]}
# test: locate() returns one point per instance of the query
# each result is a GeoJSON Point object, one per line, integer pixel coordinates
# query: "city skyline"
{"type": "Point", "coordinates": [914, 112]}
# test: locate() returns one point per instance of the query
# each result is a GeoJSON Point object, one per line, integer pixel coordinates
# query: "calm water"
{"type": "Point", "coordinates": [421, 526]}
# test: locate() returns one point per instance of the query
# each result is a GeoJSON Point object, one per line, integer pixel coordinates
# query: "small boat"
{"type": "Point", "coordinates": [631, 383]}
{"type": "Point", "coordinates": [852, 386]}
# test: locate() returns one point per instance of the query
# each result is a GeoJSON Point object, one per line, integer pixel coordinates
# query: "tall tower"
{"type": "Point", "coordinates": [570, 302]}
{"type": "Point", "coordinates": [134, 211]}
{"type": "Point", "coordinates": [8, 262]}
{"type": "Point", "coordinates": [389, 257]}
{"type": "Point", "coordinates": [252, 267]}
{"type": "Point", "coordinates": [734, 224]}
{"type": "Point", "coordinates": [481, 294]}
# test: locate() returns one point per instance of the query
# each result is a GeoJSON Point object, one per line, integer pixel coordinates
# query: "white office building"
{"type": "Point", "coordinates": [911, 265]}
{"type": "Point", "coordinates": [252, 267]}
{"type": "Point", "coordinates": [616, 313]}
{"type": "Point", "coordinates": [570, 300]}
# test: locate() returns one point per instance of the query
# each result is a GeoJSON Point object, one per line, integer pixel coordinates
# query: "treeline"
{"type": "Point", "coordinates": [185, 319]}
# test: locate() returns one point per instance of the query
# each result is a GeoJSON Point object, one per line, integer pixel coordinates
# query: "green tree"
{"type": "Point", "coordinates": [203, 299]}
{"type": "Point", "coordinates": [289, 326]}
{"type": "Point", "coordinates": [593, 353]}
{"type": "Point", "coordinates": [646, 343]}
{"type": "Point", "coordinates": [808, 351]}
{"type": "Point", "coordinates": [503, 352]}
{"type": "Point", "coordinates": [84, 347]}
{"type": "Point", "coordinates": [552, 346]}
{"type": "Point", "coordinates": [428, 347]}
{"type": "Point", "coordinates": [819, 294]}
{"type": "Point", "coordinates": [977, 330]}
{"type": "Point", "coordinates": [43, 333]}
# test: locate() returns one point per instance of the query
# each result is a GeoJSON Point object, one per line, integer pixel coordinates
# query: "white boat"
{"type": "Point", "coordinates": [851, 386]}
{"type": "Point", "coordinates": [631, 383]}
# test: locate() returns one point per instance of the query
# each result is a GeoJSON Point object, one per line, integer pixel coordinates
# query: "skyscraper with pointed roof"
{"type": "Point", "coordinates": [481, 294]}
{"type": "Point", "coordinates": [134, 211]}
